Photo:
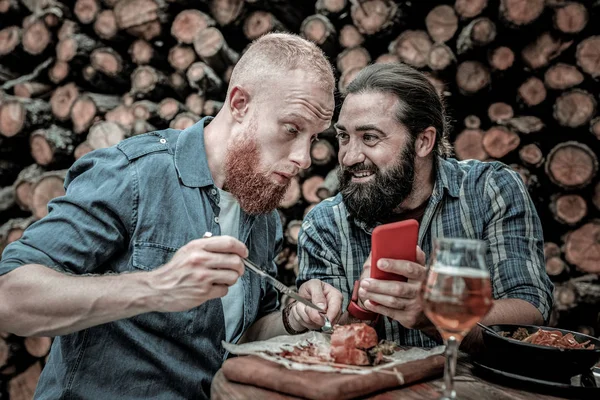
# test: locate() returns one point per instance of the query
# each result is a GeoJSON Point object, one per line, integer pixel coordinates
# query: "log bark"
{"type": "Point", "coordinates": [499, 141]}
{"type": "Point", "coordinates": [59, 72]}
{"type": "Point", "coordinates": [375, 17]}
{"type": "Point", "coordinates": [525, 124]}
{"type": "Point", "coordinates": [179, 84]}
{"type": "Point", "coordinates": [479, 32]}
{"type": "Point", "coordinates": [149, 83]}
{"type": "Point", "coordinates": [318, 29]}
{"type": "Point", "coordinates": [322, 152]}
{"type": "Point", "coordinates": [562, 76]}
{"type": "Point", "coordinates": [588, 54]}
{"type": "Point", "coordinates": [210, 45]}
{"type": "Point", "coordinates": [62, 100]}
{"type": "Point", "coordinates": [500, 111]}
{"type": "Point", "coordinates": [24, 183]}
{"type": "Point", "coordinates": [502, 58]}
{"type": "Point", "coordinates": [226, 12]}
{"type": "Point", "coordinates": [571, 17]}
{"type": "Point", "coordinates": [292, 194]}
{"type": "Point", "coordinates": [440, 57]}
{"type": "Point", "coordinates": [355, 57]}
{"type": "Point", "coordinates": [571, 165]}
{"type": "Point", "coordinates": [49, 186]}
{"type": "Point", "coordinates": [469, 145]}
{"type": "Point", "coordinates": [86, 11]}
{"type": "Point", "coordinates": [105, 134]}
{"type": "Point", "coordinates": [568, 209]}
{"type": "Point", "coordinates": [76, 47]}
{"type": "Point", "coordinates": [13, 229]}
{"type": "Point", "coordinates": [19, 115]}
{"type": "Point", "coordinates": [596, 198]}
{"type": "Point", "coordinates": [441, 23]}
{"type": "Point", "coordinates": [7, 198]}
{"type": "Point", "coordinates": [52, 145]}
{"type": "Point", "coordinates": [181, 57]}
{"type": "Point", "coordinates": [565, 297]}
{"type": "Point", "coordinates": [202, 78]}
{"type": "Point", "coordinates": [188, 24]}
{"type": "Point", "coordinates": [184, 120]}
{"type": "Point", "coordinates": [532, 92]}
{"type": "Point", "coordinates": [88, 107]}
{"type": "Point", "coordinates": [412, 47]}
{"type": "Point", "coordinates": [350, 37]}
{"type": "Point", "coordinates": [472, 77]}
{"type": "Point", "coordinates": [544, 49]}
{"type": "Point", "coordinates": [595, 127]}
{"type": "Point", "coordinates": [582, 247]}
{"type": "Point", "coordinates": [574, 108]}
{"type": "Point", "coordinates": [518, 13]}
{"type": "Point", "coordinates": [469, 8]}
{"type": "Point", "coordinates": [531, 155]}
{"type": "Point", "coordinates": [30, 90]}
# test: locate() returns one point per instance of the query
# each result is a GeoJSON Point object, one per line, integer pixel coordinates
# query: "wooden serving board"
{"type": "Point", "coordinates": [252, 370]}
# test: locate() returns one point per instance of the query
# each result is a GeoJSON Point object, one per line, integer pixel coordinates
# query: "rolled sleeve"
{"type": "Point", "coordinates": [516, 246]}
{"type": "Point", "coordinates": [87, 225]}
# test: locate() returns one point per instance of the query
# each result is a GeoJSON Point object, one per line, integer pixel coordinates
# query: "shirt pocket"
{"type": "Point", "coordinates": [148, 257]}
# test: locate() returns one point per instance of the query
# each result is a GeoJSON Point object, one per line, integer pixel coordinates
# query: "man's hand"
{"type": "Point", "coordinates": [400, 301]}
{"type": "Point", "coordinates": [321, 294]}
{"type": "Point", "coordinates": [201, 270]}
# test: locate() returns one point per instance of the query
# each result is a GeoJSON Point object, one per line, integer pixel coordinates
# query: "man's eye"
{"type": "Point", "coordinates": [369, 138]}
{"type": "Point", "coordinates": [291, 129]}
{"type": "Point", "coordinates": [341, 136]}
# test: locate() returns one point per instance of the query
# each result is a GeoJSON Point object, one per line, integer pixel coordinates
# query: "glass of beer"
{"type": "Point", "coordinates": [457, 294]}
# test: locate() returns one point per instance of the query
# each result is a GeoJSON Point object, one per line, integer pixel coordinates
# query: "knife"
{"type": "Point", "coordinates": [280, 286]}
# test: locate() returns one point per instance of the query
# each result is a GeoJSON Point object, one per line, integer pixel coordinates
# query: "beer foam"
{"type": "Point", "coordinates": [465, 272]}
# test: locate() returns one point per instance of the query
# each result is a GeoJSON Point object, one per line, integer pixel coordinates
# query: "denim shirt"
{"type": "Point", "coordinates": [130, 208]}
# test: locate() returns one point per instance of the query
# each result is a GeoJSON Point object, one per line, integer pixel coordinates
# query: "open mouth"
{"type": "Point", "coordinates": [360, 176]}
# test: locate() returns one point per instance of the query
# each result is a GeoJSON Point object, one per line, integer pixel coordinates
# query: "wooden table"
{"type": "Point", "coordinates": [467, 386]}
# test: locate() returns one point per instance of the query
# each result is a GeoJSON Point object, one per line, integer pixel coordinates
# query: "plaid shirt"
{"type": "Point", "coordinates": [470, 199]}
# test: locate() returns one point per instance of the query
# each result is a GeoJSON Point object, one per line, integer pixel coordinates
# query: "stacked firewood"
{"type": "Point", "coordinates": [520, 78]}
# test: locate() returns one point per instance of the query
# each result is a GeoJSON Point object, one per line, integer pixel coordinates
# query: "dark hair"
{"type": "Point", "coordinates": [420, 105]}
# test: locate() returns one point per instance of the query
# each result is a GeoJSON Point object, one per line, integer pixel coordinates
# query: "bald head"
{"type": "Point", "coordinates": [275, 54]}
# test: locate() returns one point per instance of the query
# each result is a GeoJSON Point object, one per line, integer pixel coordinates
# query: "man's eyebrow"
{"type": "Point", "coordinates": [339, 126]}
{"type": "Point", "coordinates": [361, 128]}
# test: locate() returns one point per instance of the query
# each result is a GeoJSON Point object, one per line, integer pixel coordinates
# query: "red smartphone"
{"type": "Point", "coordinates": [397, 241]}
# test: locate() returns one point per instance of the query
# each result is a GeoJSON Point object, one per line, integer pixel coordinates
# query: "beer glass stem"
{"type": "Point", "coordinates": [450, 368]}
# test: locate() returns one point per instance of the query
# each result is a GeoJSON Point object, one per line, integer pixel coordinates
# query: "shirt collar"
{"type": "Point", "coordinates": [190, 156]}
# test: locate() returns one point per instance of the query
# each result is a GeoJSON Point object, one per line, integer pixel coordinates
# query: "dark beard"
{"type": "Point", "coordinates": [256, 193]}
{"type": "Point", "coordinates": [375, 201]}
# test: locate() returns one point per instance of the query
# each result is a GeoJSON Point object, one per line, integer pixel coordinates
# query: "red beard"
{"type": "Point", "coordinates": [256, 193]}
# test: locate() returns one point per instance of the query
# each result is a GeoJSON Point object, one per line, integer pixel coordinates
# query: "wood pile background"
{"type": "Point", "coordinates": [520, 78]}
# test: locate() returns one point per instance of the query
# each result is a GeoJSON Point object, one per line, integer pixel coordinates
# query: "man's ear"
{"type": "Point", "coordinates": [425, 142]}
{"type": "Point", "coordinates": [238, 103]}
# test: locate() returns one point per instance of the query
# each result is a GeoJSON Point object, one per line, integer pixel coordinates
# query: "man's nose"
{"type": "Point", "coordinates": [351, 154]}
{"type": "Point", "coordinates": [301, 155]}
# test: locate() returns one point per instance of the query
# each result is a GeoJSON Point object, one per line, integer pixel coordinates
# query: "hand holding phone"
{"type": "Point", "coordinates": [396, 241]}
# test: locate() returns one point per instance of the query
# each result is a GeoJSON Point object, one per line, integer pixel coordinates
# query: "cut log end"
{"type": "Point", "coordinates": [141, 52]}
{"type": "Point", "coordinates": [356, 57]}
{"type": "Point", "coordinates": [469, 8]}
{"type": "Point", "coordinates": [555, 266]}
{"type": "Point", "coordinates": [500, 112]}
{"type": "Point", "coordinates": [309, 188]}
{"type": "Point", "coordinates": [59, 72]}
{"type": "Point", "coordinates": [562, 76]}
{"type": "Point", "coordinates": [188, 23]}
{"type": "Point", "coordinates": [588, 54]}
{"type": "Point", "coordinates": [168, 109]}
{"type": "Point", "coordinates": [292, 231]}
{"type": "Point", "coordinates": [105, 134]}
{"type": "Point", "coordinates": [195, 103]}
{"type": "Point", "coordinates": [23, 385]}
{"type": "Point", "coordinates": [441, 23]}
{"type": "Point", "coordinates": [531, 155]}
{"type": "Point", "coordinates": [105, 25]}
{"type": "Point", "coordinates": [440, 57]}
{"type": "Point", "coordinates": [10, 38]}
{"type": "Point", "coordinates": [499, 141]}
{"type": "Point", "coordinates": [83, 112]}
{"type": "Point", "coordinates": [184, 120]}
{"type": "Point", "coordinates": [46, 189]}
{"type": "Point", "coordinates": [551, 250]}
{"type": "Point", "coordinates": [502, 58]}
{"type": "Point", "coordinates": [469, 145]}
{"type": "Point", "coordinates": [472, 76]}
{"type": "Point", "coordinates": [181, 57]}
{"type": "Point", "coordinates": [571, 165]}
{"type": "Point", "coordinates": [532, 91]}
{"type": "Point", "coordinates": [81, 150]}
{"type": "Point", "coordinates": [373, 16]}
{"type": "Point", "coordinates": [38, 346]}
{"type": "Point", "coordinates": [350, 37]}
{"type": "Point", "coordinates": [412, 47]}
{"type": "Point", "coordinates": [107, 61]}
{"type": "Point", "coordinates": [40, 150]}
{"type": "Point", "coordinates": [472, 122]}
{"type": "Point", "coordinates": [226, 12]}
{"type": "Point", "coordinates": [521, 12]}
{"type": "Point", "coordinates": [259, 23]}
{"type": "Point", "coordinates": [292, 194]}
{"type": "Point", "coordinates": [62, 100]}
{"type": "Point", "coordinates": [571, 18]}
{"type": "Point", "coordinates": [12, 118]}
{"type": "Point", "coordinates": [321, 152]}
{"type": "Point", "coordinates": [569, 209]}
{"type": "Point", "coordinates": [574, 108]}
{"type": "Point", "coordinates": [582, 247]}
{"type": "Point", "coordinates": [36, 38]}
{"type": "Point", "coordinates": [86, 10]}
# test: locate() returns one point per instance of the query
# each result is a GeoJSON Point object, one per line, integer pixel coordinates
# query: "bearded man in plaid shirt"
{"type": "Point", "coordinates": [394, 165]}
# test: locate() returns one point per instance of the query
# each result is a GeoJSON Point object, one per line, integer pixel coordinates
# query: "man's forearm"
{"type": "Point", "coordinates": [269, 326]}
{"type": "Point", "coordinates": [38, 301]}
{"type": "Point", "coordinates": [504, 311]}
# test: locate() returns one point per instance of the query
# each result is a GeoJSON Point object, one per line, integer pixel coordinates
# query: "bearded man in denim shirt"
{"type": "Point", "coordinates": [394, 166]}
{"type": "Point", "coordinates": [119, 271]}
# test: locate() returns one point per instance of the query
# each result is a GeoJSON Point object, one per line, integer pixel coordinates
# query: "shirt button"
{"type": "Point", "coordinates": [163, 141]}
{"type": "Point", "coordinates": [213, 192]}
{"type": "Point", "coordinates": [217, 220]}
